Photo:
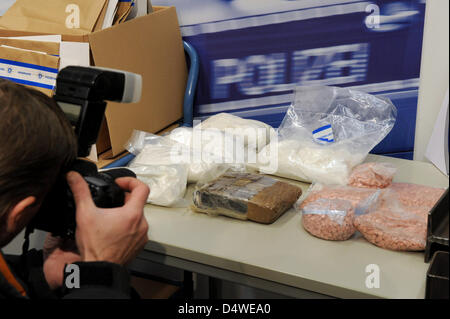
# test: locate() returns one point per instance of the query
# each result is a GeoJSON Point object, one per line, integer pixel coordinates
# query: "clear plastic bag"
{"type": "Point", "coordinates": [372, 175]}
{"type": "Point", "coordinates": [418, 198]}
{"type": "Point", "coordinates": [167, 183]}
{"type": "Point", "coordinates": [151, 149]}
{"type": "Point", "coordinates": [329, 130]}
{"type": "Point", "coordinates": [204, 156]}
{"type": "Point", "coordinates": [330, 219]}
{"type": "Point", "coordinates": [355, 195]}
{"type": "Point", "coordinates": [387, 223]}
{"type": "Point", "coordinates": [156, 165]}
{"type": "Point", "coordinates": [209, 154]}
{"type": "Point", "coordinates": [254, 134]}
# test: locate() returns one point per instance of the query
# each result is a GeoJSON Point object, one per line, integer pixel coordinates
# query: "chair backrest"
{"type": "Point", "coordinates": [191, 85]}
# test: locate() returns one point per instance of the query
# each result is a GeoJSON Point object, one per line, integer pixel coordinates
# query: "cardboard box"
{"type": "Point", "coordinates": [151, 46]}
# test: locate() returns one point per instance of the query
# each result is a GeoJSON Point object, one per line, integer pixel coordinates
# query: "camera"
{"type": "Point", "coordinates": [81, 93]}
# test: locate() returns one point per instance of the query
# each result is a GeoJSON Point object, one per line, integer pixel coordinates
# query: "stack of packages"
{"type": "Point", "coordinates": [324, 138]}
{"type": "Point", "coordinates": [31, 63]}
{"type": "Point", "coordinates": [34, 60]}
{"type": "Point", "coordinates": [206, 155]}
{"type": "Point", "coordinates": [389, 215]}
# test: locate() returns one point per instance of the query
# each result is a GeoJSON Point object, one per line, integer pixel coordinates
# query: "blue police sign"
{"type": "Point", "coordinates": [253, 53]}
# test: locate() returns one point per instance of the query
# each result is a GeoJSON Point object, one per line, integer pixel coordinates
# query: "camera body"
{"type": "Point", "coordinates": [81, 92]}
{"type": "Point", "coordinates": [57, 212]}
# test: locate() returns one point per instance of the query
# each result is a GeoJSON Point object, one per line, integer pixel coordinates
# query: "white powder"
{"type": "Point", "coordinates": [318, 164]}
{"type": "Point", "coordinates": [207, 154]}
{"type": "Point", "coordinates": [253, 133]}
{"type": "Point", "coordinates": [162, 164]}
{"type": "Point", "coordinates": [167, 181]}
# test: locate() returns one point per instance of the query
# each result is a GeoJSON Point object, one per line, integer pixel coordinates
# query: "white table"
{"type": "Point", "coordinates": [283, 257]}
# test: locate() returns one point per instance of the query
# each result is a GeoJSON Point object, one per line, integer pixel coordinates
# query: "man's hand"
{"type": "Point", "coordinates": [115, 235]}
{"type": "Point", "coordinates": [58, 253]}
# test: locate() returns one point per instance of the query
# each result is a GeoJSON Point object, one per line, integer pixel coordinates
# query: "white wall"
{"type": "Point", "coordinates": [434, 72]}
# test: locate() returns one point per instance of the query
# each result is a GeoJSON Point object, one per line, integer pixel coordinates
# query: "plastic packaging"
{"type": "Point", "coordinates": [152, 165]}
{"type": "Point", "coordinates": [254, 133]}
{"type": "Point", "coordinates": [388, 224]}
{"type": "Point", "coordinates": [394, 218]}
{"type": "Point", "coordinates": [419, 198]}
{"type": "Point", "coordinates": [329, 130]}
{"type": "Point", "coordinates": [167, 183]}
{"type": "Point", "coordinates": [245, 196]}
{"type": "Point", "coordinates": [372, 175]}
{"type": "Point", "coordinates": [355, 195]}
{"type": "Point", "coordinates": [141, 140]}
{"type": "Point", "coordinates": [330, 219]}
{"type": "Point", "coordinates": [205, 158]}
{"type": "Point", "coordinates": [209, 152]}
{"type": "Point", "coordinates": [310, 163]}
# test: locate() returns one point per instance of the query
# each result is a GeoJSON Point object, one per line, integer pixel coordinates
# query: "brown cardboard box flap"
{"type": "Point", "coordinates": [53, 16]}
{"type": "Point", "coordinates": [150, 46]}
{"type": "Point", "coordinates": [5, 33]}
{"type": "Point", "coordinates": [31, 58]}
{"type": "Point", "coordinates": [51, 48]}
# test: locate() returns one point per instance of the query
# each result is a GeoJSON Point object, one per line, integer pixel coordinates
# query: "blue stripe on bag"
{"type": "Point", "coordinates": [320, 129]}
{"type": "Point", "coordinates": [30, 83]}
{"type": "Point", "coordinates": [29, 65]}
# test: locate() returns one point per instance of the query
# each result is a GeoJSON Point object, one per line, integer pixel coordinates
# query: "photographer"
{"type": "Point", "coordinates": [37, 143]}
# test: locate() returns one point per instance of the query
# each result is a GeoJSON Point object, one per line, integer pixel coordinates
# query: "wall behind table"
{"type": "Point", "coordinates": [253, 53]}
{"type": "Point", "coordinates": [434, 74]}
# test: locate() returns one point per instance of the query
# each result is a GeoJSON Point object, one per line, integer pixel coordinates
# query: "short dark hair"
{"type": "Point", "coordinates": [36, 143]}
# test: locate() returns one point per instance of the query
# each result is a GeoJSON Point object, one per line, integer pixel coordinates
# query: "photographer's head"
{"type": "Point", "coordinates": [36, 143]}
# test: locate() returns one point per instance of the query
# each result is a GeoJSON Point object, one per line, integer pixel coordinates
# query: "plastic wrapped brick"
{"type": "Point", "coordinates": [254, 134]}
{"type": "Point", "coordinates": [372, 175]}
{"type": "Point", "coordinates": [245, 196]}
{"type": "Point", "coordinates": [209, 154]}
{"type": "Point", "coordinates": [330, 219]}
{"type": "Point", "coordinates": [205, 161]}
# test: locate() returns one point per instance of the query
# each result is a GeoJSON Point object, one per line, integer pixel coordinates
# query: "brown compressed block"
{"type": "Point", "coordinates": [270, 203]}
{"type": "Point", "coordinates": [245, 196]}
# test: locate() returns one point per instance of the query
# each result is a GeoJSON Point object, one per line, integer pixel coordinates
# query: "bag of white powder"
{"type": "Point", "coordinates": [327, 131]}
